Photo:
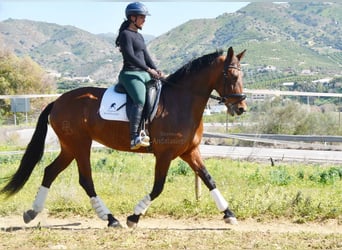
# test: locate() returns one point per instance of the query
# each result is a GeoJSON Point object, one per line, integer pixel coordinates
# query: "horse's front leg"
{"type": "Point", "coordinates": [195, 161]}
{"type": "Point", "coordinates": [161, 167]}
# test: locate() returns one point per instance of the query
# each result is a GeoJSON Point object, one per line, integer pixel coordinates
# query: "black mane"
{"type": "Point", "coordinates": [194, 66]}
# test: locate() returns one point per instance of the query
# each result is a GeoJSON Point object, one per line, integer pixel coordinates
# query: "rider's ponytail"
{"type": "Point", "coordinates": [123, 26]}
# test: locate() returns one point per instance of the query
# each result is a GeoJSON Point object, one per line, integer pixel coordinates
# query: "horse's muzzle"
{"type": "Point", "coordinates": [238, 109]}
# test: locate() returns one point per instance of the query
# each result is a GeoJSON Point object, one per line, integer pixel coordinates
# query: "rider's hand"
{"type": "Point", "coordinates": [154, 73]}
{"type": "Point", "coordinates": [161, 74]}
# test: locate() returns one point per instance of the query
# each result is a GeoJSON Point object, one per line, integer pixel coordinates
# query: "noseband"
{"type": "Point", "coordinates": [225, 98]}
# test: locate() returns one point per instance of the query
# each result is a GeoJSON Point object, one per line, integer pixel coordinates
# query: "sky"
{"type": "Point", "coordinates": [105, 16]}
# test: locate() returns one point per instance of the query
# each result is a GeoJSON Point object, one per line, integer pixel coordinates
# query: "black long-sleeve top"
{"type": "Point", "coordinates": [134, 51]}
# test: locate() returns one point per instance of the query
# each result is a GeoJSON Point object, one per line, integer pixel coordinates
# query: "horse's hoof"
{"type": "Point", "coordinates": [29, 215]}
{"type": "Point", "coordinates": [230, 220]}
{"type": "Point", "coordinates": [112, 222]}
{"type": "Point", "coordinates": [115, 224]}
{"type": "Point", "coordinates": [132, 221]}
{"type": "Point", "coordinates": [131, 224]}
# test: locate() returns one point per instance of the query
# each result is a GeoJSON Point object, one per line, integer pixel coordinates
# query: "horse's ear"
{"type": "Point", "coordinates": [241, 55]}
{"type": "Point", "coordinates": [230, 53]}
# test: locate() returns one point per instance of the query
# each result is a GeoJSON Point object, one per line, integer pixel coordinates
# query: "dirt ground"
{"type": "Point", "coordinates": [328, 227]}
{"type": "Point", "coordinates": [46, 232]}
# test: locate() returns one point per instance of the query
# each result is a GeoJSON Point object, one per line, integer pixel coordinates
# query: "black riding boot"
{"type": "Point", "coordinates": [137, 140]}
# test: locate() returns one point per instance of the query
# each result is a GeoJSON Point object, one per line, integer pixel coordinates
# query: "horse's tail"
{"type": "Point", "coordinates": [32, 155]}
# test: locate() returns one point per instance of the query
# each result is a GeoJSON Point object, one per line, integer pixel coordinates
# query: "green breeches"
{"type": "Point", "coordinates": [134, 83]}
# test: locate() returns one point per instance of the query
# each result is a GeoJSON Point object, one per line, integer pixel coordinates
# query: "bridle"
{"type": "Point", "coordinates": [223, 99]}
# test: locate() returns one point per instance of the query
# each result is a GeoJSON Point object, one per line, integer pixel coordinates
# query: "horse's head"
{"type": "Point", "coordinates": [230, 85]}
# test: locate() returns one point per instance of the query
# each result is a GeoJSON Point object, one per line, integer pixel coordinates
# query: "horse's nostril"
{"type": "Point", "coordinates": [240, 110]}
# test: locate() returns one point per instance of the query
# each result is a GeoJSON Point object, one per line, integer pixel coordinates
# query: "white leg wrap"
{"type": "Point", "coordinates": [143, 205]}
{"type": "Point", "coordinates": [38, 204]}
{"type": "Point", "coordinates": [100, 208]}
{"type": "Point", "coordinates": [221, 203]}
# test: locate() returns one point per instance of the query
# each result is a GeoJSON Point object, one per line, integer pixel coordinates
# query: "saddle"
{"type": "Point", "coordinates": [153, 90]}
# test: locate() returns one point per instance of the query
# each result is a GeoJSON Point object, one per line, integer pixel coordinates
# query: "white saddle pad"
{"type": "Point", "coordinates": [113, 106]}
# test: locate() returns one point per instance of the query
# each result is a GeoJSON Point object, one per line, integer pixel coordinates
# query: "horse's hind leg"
{"type": "Point", "coordinates": [194, 159]}
{"type": "Point", "coordinates": [86, 181]}
{"type": "Point", "coordinates": [50, 174]}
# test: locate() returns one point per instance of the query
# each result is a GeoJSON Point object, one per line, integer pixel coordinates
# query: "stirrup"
{"type": "Point", "coordinates": [142, 140]}
{"type": "Point", "coordinates": [144, 137]}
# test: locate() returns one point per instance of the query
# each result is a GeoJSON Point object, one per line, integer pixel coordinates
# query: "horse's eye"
{"type": "Point", "coordinates": [234, 76]}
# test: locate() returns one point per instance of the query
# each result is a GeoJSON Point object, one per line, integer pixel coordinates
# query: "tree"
{"type": "Point", "coordinates": [21, 76]}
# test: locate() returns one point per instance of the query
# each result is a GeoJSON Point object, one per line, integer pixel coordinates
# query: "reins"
{"type": "Point", "coordinates": [224, 99]}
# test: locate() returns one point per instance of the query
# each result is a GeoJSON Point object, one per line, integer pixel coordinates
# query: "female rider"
{"type": "Point", "coordinates": [138, 68]}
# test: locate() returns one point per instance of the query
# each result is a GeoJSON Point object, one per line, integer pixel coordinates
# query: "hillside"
{"type": "Point", "coordinates": [289, 38]}
{"type": "Point", "coordinates": [297, 36]}
{"type": "Point", "coordinates": [65, 49]}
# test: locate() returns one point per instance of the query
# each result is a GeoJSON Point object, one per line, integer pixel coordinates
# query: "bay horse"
{"type": "Point", "coordinates": [176, 131]}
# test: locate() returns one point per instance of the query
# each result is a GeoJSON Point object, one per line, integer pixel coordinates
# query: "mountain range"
{"type": "Point", "coordinates": [289, 37]}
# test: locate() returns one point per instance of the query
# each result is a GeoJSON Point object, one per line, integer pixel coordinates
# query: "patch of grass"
{"type": "Point", "coordinates": [297, 192]}
{"type": "Point", "coordinates": [280, 176]}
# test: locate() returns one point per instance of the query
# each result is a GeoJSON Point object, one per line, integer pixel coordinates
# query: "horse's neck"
{"type": "Point", "coordinates": [199, 90]}
{"type": "Point", "coordinates": [189, 97]}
